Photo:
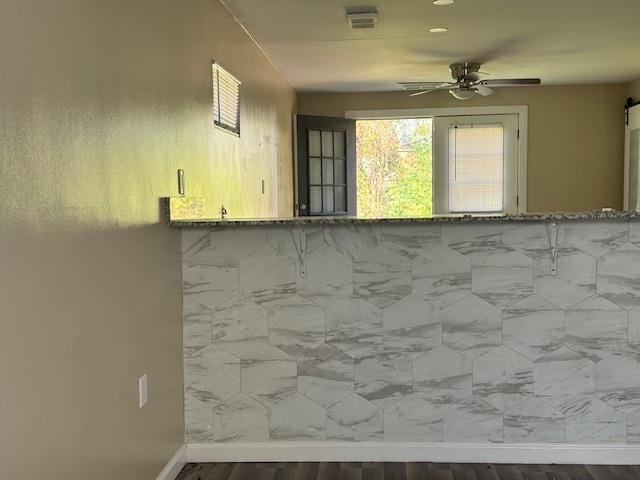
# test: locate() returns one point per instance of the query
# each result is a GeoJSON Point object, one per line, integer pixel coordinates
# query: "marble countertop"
{"type": "Point", "coordinates": [342, 220]}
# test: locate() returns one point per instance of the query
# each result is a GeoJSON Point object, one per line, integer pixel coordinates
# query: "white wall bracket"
{"type": "Point", "coordinates": [552, 232]}
{"type": "Point", "coordinates": [301, 248]}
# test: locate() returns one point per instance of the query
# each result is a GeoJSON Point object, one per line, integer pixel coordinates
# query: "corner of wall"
{"type": "Point", "coordinates": [633, 89]}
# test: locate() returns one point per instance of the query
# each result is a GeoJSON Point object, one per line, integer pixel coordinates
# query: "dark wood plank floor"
{"type": "Point", "coordinates": [403, 471]}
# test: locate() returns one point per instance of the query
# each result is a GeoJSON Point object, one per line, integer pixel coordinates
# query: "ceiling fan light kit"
{"type": "Point", "coordinates": [468, 82]}
{"type": "Point", "coordinates": [463, 93]}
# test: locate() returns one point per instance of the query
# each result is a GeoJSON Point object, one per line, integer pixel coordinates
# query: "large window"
{"type": "Point", "coordinates": [419, 167]}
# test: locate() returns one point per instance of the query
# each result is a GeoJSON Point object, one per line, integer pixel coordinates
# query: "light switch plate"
{"type": "Point", "coordinates": [143, 392]}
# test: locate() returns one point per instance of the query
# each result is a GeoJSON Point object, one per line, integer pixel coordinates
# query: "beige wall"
{"type": "Point", "coordinates": [634, 90]}
{"type": "Point", "coordinates": [576, 137]}
{"type": "Point", "coordinates": [101, 102]}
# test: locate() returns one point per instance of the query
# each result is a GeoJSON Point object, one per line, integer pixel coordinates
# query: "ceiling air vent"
{"type": "Point", "coordinates": [362, 19]}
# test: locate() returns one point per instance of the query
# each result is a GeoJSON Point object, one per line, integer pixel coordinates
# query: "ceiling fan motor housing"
{"type": "Point", "coordinates": [460, 71]}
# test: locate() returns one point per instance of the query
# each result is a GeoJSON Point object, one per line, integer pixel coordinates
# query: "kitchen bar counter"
{"type": "Point", "coordinates": [342, 220]}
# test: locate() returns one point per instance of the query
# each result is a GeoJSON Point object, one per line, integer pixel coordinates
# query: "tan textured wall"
{"type": "Point", "coordinates": [101, 102]}
{"type": "Point", "coordinates": [576, 137]}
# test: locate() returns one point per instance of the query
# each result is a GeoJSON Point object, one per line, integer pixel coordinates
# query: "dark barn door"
{"type": "Point", "coordinates": [326, 169]}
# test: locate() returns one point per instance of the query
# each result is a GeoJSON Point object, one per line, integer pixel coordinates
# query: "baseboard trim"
{"type": "Point", "coordinates": [414, 452]}
{"type": "Point", "coordinates": [175, 465]}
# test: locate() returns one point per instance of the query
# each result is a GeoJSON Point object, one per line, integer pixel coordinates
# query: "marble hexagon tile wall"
{"type": "Point", "coordinates": [413, 332]}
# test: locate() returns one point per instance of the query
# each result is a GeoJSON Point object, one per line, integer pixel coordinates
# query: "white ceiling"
{"type": "Point", "coordinates": [560, 41]}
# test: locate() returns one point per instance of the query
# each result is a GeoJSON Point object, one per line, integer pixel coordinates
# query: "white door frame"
{"type": "Point", "coordinates": [523, 120]}
{"type": "Point", "coordinates": [633, 119]}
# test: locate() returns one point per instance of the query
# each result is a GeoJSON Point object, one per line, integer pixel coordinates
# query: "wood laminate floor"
{"type": "Point", "coordinates": [403, 471]}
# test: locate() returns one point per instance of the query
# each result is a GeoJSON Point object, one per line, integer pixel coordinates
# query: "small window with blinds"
{"type": "Point", "coordinates": [476, 168]}
{"type": "Point", "coordinates": [226, 100]}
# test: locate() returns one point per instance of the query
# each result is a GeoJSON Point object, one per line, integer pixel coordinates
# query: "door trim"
{"type": "Point", "coordinates": [627, 139]}
{"type": "Point", "coordinates": [523, 126]}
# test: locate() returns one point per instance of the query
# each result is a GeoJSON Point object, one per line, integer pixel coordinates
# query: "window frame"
{"type": "Point", "coordinates": [522, 111]}
{"type": "Point", "coordinates": [441, 130]}
{"type": "Point", "coordinates": [215, 88]}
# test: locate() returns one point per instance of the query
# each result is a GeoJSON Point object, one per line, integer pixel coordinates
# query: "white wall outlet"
{"type": "Point", "coordinates": [143, 391]}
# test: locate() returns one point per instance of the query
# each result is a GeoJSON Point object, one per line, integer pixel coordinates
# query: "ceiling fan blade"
{"type": "Point", "coordinates": [511, 82]}
{"type": "Point", "coordinates": [422, 92]}
{"type": "Point", "coordinates": [484, 90]}
{"type": "Point", "coordinates": [420, 85]}
{"type": "Point", "coordinates": [422, 89]}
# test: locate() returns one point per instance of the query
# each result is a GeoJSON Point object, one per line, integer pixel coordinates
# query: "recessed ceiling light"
{"type": "Point", "coordinates": [438, 30]}
{"type": "Point", "coordinates": [443, 2]}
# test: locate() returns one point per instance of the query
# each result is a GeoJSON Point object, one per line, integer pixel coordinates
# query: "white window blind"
{"type": "Point", "coordinates": [476, 168]}
{"type": "Point", "coordinates": [226, 100]}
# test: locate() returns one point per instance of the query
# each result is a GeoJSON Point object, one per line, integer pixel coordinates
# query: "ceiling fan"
{"type": "Point", "coordinates": [468, 82]}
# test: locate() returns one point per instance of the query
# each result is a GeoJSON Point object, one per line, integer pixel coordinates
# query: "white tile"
{"type": "Point", "coordinates": [207, 286]}
{"type": "Point", "coordinates": [296, 326]}
{"type": "Point", "coordinates": [198, 420]}
{"type": "Point", "coordinates": [532, 239]}
{"type": "Point", "coordinates": [327, 380]}
{"type": "Point", "coordinates": [533, 422]}
{"type": "Point", "coordinates": [198, 249]}
{"type": "Point", "coordinates": [596, 238]}
{"type": "Point", "coordinates": [297, 419]}
{"type": "Point", "coordinates": [502, 286]}
{"type": "Point", "coordinates": [411, 240]}
{"type": "Point", "coordinates": [633, 427]}
{"type": "Point", "coordinates": [595, 423]}
{"type": "Point", "coordinates": [383, 379]}
{"type": "Point", "coordinates": [596, 328]}
{"type": "Point", "coordinates": [328, 278]}
{"type": "Point", "coordinates": [472, 420]}
{"type": "Point", "coordinates": [471, 326]}
{"type": "Point", "coordinates": [412, 420]}
{"type": "Point", "coordinates": [354, 419]}
{"type": "Point", "coordinates": [474, 239]}
{"type": "Point", "coordinates": [355, 327]}
{"type": "Point", "coordinates": [240, 325]}
{"type": "Point", "coordinates": [618, 381]}
{"type": "Point", "coordinates": [441, 276]}
{"type": "Point", "coordinates": [239, 242]}
{"type": "Point", "coordinates": [533, 327]}
{"type": "Point", "coordinates": [442, 376]}
{"type": "Point", "coordinates": [502, 378]}
{"type": "Point", "coordinates": [352, 240]}
{"type": "Point", "coordinates": [287, 240]}
{"type": "Point", "coordinates": [381, 276]}
{"type": "Point", "coordinates": [241, 419]}
{"type": "Point", "coordinates": [618, 279]}
{"type": "Point", "coordinates": [634, 328]}
{"type": "Point", "coordinates": [196, 331]}
{"type": "Point", "coordinates": [411, 327]}
{"type": "Point", "coordinates": [575, 279]}
{"type": "Point", "coordinates": [564, 372]}
{"type": "Point", "coordinates": [212, 375]}
{"type": "Point", "coordinates": [269, 375]}
{"type": "Point", "coordinates": [267, 276]}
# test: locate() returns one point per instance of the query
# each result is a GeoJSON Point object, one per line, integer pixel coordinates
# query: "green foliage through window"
{"type": "Point", "coordinates": [394, 168]}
